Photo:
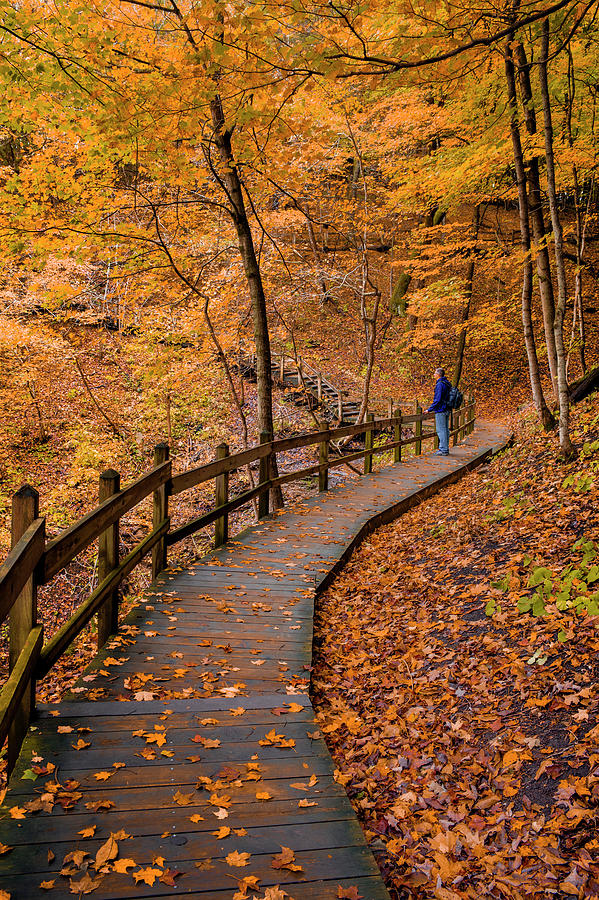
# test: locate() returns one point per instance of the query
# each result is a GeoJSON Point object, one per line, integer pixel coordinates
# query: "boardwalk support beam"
{"type": "Point", "coordinates": [108, 560]}
{"type": "Point", "coordinates": [23, 618]}
{"type": "Point", "coordinates": [160, 512]}
{"type": "Point", "coordinates": [221, 496]}
{"type": "Point", "coordinates": [368, 445]}
{"type": "Point", "coordinates": [264, 476]}
{"type": "Point", "coordinates": [397, 437]}
{"type": "Point", "coordinates": [418, 430]}
{"type": "Point", "coordinates": [323, 461]}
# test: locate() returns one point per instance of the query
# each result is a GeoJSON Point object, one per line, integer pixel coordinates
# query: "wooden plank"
{"type": "Point", "coordinates": [127, 708]}
{"type": "Point", "coordinates": [181, 736]}
{"type": "Point", "coordinates": [63, 637]}
{"type": "Point", "coordinates": [73, 540]}
{"type": "Point", "coordinates": [328, 865]}
{"type": "Point", "coordinates": [368, 887]}
{"type": "Point", "coordinates": [35, 829]}
{"type": "Point", "coordinates": [19, 565]}
{"type": "Point", "coordinates": [202, 844]}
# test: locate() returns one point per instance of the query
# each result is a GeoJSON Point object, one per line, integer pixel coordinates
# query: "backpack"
{"type": "Point", "coordinates": [455, 398]}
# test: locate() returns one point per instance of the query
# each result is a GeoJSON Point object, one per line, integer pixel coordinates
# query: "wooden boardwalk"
{"type": "Point", "coordinates": [191, 738]}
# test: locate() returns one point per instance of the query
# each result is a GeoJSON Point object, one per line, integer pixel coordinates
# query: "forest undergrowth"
{"type": "Point", "coordinates": [456, 674]}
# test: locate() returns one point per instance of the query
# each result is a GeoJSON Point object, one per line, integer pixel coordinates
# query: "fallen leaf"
{"type": "Point", "coordinates": [109, 850]}
{"type": "Point", "coordinates": [348, 893]}
{"type": "Point", "coordinates": [148, 875]}
{"type": "Point", "coordinates": [286, 860]}
{"type": "Point", "coordinates": [237, 859]}
{"type": "Point", "coordinates": [121, 865]}
{"type": "Point", "coordinates": [168, 877]}
{"type": "Point", "coordinates": [184, 799]}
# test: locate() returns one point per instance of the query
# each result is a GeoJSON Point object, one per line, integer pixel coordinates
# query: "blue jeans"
{"type": "Point", "coordinates": [442, 426]}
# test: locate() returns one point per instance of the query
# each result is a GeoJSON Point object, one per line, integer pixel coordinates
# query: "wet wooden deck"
{"type": "Point", "coordinates": [191, 739]}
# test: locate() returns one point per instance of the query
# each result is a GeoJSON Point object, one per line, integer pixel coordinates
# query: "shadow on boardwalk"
{"type": "Point", "coordinates": [191, 739]}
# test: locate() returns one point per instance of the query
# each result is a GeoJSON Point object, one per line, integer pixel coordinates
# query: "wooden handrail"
{"type": "Point", "coordinates": [18, 566]}
{"type": "Point", "coordinates": [19, 679]}
{"type": "Point", "coordinates": [73, 540]}
{"type": "Point", "coordinates": [55, 647]}
{"type": "Point", "coordinates": [192, 477]}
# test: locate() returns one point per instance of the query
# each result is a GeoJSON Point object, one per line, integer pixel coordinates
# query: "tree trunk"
{"type": "Point", "coordinates": [545, 416]}
{"type": "Point", "coordinates": [457, 374]}
{"type": "Point", "coordinates": [232, 183]}
{"type": "Point", "coordinates": [558, 243]}
{"type": "Point", "coordinates": [535, 205]}
{"type": "Point", "coordinates": [370, 330]}
{"type": "Point", "coordinates": [578, 312]}
{"type": "Point", "coordinates": [581, 231]}
{"type": "Point", "coordinates": [323, 284]}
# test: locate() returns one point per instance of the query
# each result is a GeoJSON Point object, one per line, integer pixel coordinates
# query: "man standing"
{"type": "Point", "coordinates": [440, 407]}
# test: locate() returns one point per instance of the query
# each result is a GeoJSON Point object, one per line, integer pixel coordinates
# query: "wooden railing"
{"type": "Point", "coordinates": [33, 561]}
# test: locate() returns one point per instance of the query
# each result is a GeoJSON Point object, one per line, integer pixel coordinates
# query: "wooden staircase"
{"type": "Point", "coordinates": [310, 387]}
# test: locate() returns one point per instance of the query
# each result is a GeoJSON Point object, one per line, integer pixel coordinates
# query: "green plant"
{"type": "Point", "coordinates": [570, 592]}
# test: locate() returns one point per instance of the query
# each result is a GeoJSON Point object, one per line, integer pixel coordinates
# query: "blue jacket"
{"type": "Point", "coordinates": [442, 389]}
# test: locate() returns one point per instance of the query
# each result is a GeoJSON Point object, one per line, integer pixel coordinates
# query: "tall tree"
{"type": "Point", "coordinates": [527, 280]}
{"type": "Point", "coordinates": [558, 244]}
{"type": "Point", "coordinates": [535, 203]}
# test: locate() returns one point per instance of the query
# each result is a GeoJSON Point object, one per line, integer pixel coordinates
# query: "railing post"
{"type": "Point", "coordinates": [282, 367]}
{"type": "Point", "coordinates": [340, 407]}
{"type": "Point", "coordinates": [319, 387]}
{"type": "Point", "coordinates": [23, 617]}
{"type": "Point", "coordinates": [389, 409]}
{"type": "Point", "coordinates": [397, 436]}
{"type": "Point", "coordinates": [418, 430]}
{"type": "Point", "coordinates": [436, 440]}
{"type": "Point", "coordinates": [368, 443]}
{"type": "Point", "coordinates": [108, 559]}
{"type": "Point", "coordinates": [455, 424]}
{"type": "Point", "coordinates": [160, 512]}
{"type": "Point", "coordinates": [323, 460]}
{"type": "Point", "coordinates": [300, 373]}
{"type": "Point", "coordinates": [221, 496]}
{"type": "Point", "coordinates": [470, 427]}
{"type": "Point", "coordinates": [265, 469]}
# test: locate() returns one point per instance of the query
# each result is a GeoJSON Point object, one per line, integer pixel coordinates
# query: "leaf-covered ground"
{"type": "Point", "coordinates": [456, 680]}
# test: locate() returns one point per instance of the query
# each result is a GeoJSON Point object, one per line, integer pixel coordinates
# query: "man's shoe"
{"type": "Point", "coordinates": [441, 453]}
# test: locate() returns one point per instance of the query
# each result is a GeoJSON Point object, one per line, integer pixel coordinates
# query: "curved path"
{"type": "Point", "coordinates": [191, 737]}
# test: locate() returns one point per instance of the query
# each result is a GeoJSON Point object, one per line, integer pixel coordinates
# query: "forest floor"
{"type": "Point", "coordinates": [456, 679]}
